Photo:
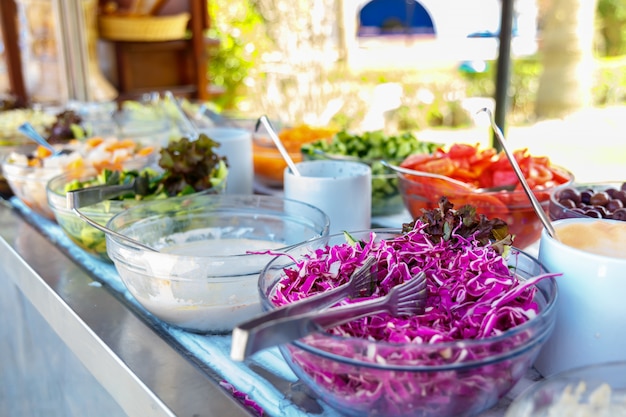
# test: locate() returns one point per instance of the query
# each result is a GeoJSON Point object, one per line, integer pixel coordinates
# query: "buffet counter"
{"type": "Point", "coordinates": [147, 367]}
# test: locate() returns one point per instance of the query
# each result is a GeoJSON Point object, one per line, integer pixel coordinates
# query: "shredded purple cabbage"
{"type": "Point", "coordinates": [243, 398]}
{"type": "Point", "coordinates": [472, 295]}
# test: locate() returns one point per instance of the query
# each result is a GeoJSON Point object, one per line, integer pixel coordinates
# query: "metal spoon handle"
{"type": "Point", "coordinates": [520, 175]}
{"type": "Point", "coordinates": [408, 171]}
{"type": "Point", "coordinates": [189, 125]}
{"type": "Point", "coordinates": [266, 122]}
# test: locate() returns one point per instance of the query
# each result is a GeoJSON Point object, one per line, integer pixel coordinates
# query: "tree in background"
{"type": "Point", "coordinates": [238, 27]}
{"type": "Point", "coordinates": [566, 53]}
{"type": "Point", "coordinates": [612, 25]}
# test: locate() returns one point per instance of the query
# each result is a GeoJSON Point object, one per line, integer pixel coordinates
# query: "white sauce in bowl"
{"type": "Point", "coordinates": [210, 296]}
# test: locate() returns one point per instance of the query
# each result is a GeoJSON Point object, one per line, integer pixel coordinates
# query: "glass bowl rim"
{"type": "Point", "coordinates": [571, 178]}
{"type": "Point", "coordinates": [547, 311]}
{"type": "Point", "coordinates": [222, 211]}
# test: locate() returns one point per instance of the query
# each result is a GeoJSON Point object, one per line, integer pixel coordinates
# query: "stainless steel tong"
{"type": "Point", "coordinates": [93, 195]}
{"type": "Point", "coordinates": [76, 199]}
{"type": "Point", "coordinates": [261, 333]}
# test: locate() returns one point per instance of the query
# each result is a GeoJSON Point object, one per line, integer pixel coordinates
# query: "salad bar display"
{"type": "Point", "coordinates": [208, 261]}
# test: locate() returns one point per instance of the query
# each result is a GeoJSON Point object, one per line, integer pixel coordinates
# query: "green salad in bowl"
{"type": "Point", "coordinates": [185, 167]}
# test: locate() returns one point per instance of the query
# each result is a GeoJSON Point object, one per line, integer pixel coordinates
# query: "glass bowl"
{"type": "Point", "coordinates": [599, 200]}
{"type": "Point", "coordinates": [211, 249]}
{"type": "Point", "coordinates": [11, 140]}
{"type": "Point", "coordinates": [28, 174]}
{"type": "Point", "coordinates": [423, 192]}
{"type": "Point", "coordinates": [595, 390]}
{"type": "Point", "coordinates": [81, 233]}
{"type": "Point", "coordinates": [358, 376]}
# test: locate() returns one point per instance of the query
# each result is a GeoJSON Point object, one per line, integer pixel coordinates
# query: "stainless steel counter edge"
{"type": "Point", "coordinates": [144, 373]}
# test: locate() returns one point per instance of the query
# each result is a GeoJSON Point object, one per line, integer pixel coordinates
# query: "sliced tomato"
{"type": "Point", "coordinates": [442, 166]}
{"type": "Point", "coordinates": [462, 151]}
{"type": "Point", "coordinates": [560, 176]}
{"type": "Point", "coordinates": [415, 161]}
{"type": "Point", "coordinates": [540, 174]}
{"type": "Point", "coordinates": [489, 205]}
{"type": "Point", "coordinates": [503, 177]}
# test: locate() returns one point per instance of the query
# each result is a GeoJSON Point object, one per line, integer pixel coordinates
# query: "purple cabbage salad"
{"type": "Point", "coordinates": [474, 341]}
{"type": "Point", "coordinates": [472, 291]}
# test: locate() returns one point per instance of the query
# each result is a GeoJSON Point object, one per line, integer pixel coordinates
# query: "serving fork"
{"type": "Point", "coordinates": [360, 281]}
{"type": "Point", "coordinates": [257, 334]}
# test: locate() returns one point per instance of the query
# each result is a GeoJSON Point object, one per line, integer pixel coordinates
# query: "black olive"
{"type": "Point", "coordinates": [619, 214]}
{"type": "Point", "coordinates": [621, 196]}
{"type": "Point", "coordinates": [567, 203]}
{"type": "Point", "coordinates": [592, 212]}
{"type": "Point", "coordinates": [602, 210]}
{"type": "Point", "coordinates": [611, 191]}
{"type": "Point", "coordinates": [569, 194]}
{"type": "Point", "coordinates": [614, 205]}
{"type": "Point", "coordinates": [585, 196]}
{"type": "Point", "coordinates": [599, 199]}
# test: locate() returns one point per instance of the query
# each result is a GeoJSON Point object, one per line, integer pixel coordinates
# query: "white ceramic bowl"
{"type": "Point", "coordinates": [591, 306]}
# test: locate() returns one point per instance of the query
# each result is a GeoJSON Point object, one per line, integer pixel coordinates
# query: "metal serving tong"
{"type": "Point", "coordinates": [273, 329]}
{"type": "Point", "coordinates": [76, 199]}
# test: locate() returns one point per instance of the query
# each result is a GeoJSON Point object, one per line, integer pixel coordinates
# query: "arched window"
{"type": "Point", "coordinates": [385, 17]}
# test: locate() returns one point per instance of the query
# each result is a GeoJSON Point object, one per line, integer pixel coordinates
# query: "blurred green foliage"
{"type": "Point", "coordinates": [611, 18]}
{"type": "Point", "coordinates": [430, 99]}
{"type": "Point", "coordinates": [236, 25]}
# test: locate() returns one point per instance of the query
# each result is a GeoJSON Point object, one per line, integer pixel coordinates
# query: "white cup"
{"type": "Point", "coordinates": [341, 189]}
{"type": "Point", "coordinates": [236, 146]}
{"type": "Point", "coordinates": [591, 303]}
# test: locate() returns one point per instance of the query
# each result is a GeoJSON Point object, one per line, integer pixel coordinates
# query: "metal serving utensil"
{"type": "Point", "coordinates": [359, 281]}
{"type": "Point", "coordinates": [281, 148]}
{"type": "Point", "coordinates": [520, 176]}
{"type": "Point", "coordinates": [30, 132]}
{"type": "Point", "coordinates": [76, 199]}
{"type": "Point", "coordinates": [250, 337]}
{"type": "Point", "coordinates": [468, 187]}
{"type": "Point", "coordinates": [190, 126]}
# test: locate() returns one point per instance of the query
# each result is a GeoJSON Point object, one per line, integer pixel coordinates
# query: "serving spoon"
{"type": "Point", "coordinates": [520, 176]}
{"type": "Point", "coordinates": [30, 132]}
{"type": "Point", "coordinates": [189, 125]}
{"type": "Point", "coordinates": [468, 187]}
{"type": "Point", "coordinates": [281, 148]}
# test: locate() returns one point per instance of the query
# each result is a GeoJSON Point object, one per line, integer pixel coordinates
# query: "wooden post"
{"type": "Point", "coordinates": [8, 14]}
